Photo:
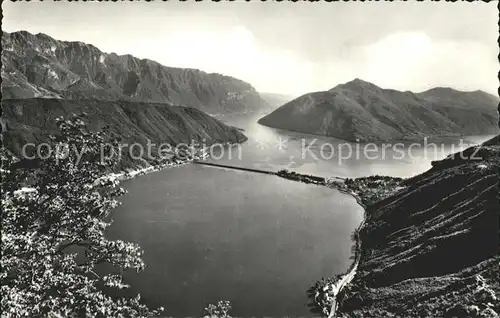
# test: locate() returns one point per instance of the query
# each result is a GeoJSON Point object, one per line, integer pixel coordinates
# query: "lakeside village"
{"type": "Point", "coordinates": [180, 157]}
{"type": "Point", "coordinates": [372, 188]}
{"type": "Point", "coordinates": [304, 178]}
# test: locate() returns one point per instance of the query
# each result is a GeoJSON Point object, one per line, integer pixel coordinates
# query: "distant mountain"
{"type": "Point", "coordinates": [360, 110]}
{"type": "Point", "coordinates": [429, 244]}
{"type": "Point", "coordinates": [33, 120]}
{"type": "Point", "coordinates": [276, 100]}
{"type": "Point", "coordinates": [40, 66]}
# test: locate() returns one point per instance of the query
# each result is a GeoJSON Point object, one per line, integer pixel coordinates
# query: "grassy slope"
{"type": "Point", "coordinates": [430, 247]}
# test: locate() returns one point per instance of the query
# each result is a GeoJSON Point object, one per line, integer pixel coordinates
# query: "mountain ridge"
{"type": "Point", "coordinates": [360, 110]}
{"type": "Point", "coordinates": [37, 65]}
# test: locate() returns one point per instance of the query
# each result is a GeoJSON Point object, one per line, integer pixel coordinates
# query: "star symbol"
{"type": "Point", "coordinates": [281, 145]}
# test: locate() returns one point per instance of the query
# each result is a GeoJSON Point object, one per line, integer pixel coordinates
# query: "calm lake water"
{"type": "Point", "coordinates": [256, 240]}
{"type": "Point", "coordinates": [273, 149]}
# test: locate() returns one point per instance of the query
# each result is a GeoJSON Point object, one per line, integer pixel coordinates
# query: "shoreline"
{"type": "Point", "coordinates": [127, 175]}
{"type": "Point", "coordinates": [453, 285]}
{"type": "Point", "coordinates": [356, 188]}
{"type": "Point", "coordinates": [348, 276]}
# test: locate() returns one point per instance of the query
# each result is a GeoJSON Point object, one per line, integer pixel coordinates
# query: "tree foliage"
{"type": "Point", "coordinates": [219, 310]}
{"type": "Point", "coordinates": [54, 217]}
{"type": "Point", "coordinates": [322, 295]}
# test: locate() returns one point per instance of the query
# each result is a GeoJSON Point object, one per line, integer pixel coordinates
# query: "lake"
{"type": "Point", "coordinates": [273, 149]}
{"type": "Point", "coordinates": [256, 240]}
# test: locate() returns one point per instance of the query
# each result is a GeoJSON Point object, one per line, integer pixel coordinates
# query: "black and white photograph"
{"type": "Point", "coordinates": [247, 158]}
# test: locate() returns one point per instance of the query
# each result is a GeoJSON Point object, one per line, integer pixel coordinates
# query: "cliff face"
{"type": "Point", "coordinates": [33, 120]}
{"type": "Point", "coordinates": [364, 111]}
{"type": "Point", "coordinates": [430, 249]}
{"type": "Point", "coordinates": [40, 66]}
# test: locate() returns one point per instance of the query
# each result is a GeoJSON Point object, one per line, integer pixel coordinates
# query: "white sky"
{"type": "Point", "coordinates": [289, 48]}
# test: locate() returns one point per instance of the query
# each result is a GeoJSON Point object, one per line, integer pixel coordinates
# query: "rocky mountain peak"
{"type": "Point", "coordinates": [40, 66]}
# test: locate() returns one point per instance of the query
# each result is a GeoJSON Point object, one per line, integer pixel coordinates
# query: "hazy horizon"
{"type": "Point", "coordinates": [301, 48]}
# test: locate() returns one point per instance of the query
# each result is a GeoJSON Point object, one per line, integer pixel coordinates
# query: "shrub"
{"type": "Point", "coordinates": [219, 310]}
{"type": "Point", "coordinates": [53, 233]}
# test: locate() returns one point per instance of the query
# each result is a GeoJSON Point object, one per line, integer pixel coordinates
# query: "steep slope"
{"type": "Point", "coordinates": [276, 100]}
{"type": "Point", "coordinates": [430, 249]}
{"type": "Point", "coordinates": [33, 120]}
{"type": "Point", "coordinates": [364, 111]}
{"type": "Point", "coordinates": [40, 66]}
